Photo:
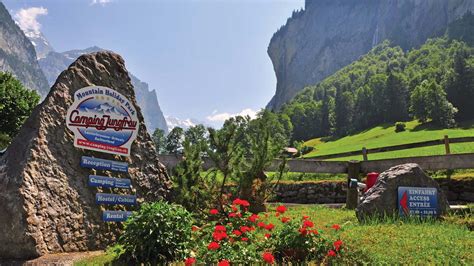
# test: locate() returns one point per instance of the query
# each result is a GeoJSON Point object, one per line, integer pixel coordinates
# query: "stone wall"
{"type": "Point", "coordinates": [457, 191]}
{"type": "Point", "coordinates": [311, 192]}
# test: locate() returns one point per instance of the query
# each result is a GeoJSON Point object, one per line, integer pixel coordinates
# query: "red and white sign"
{"type": "Point", "coordinates": [102, 120]}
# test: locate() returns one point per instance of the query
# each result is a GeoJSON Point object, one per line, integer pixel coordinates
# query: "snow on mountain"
{"type": "Point", "coordinates": [173, 122]}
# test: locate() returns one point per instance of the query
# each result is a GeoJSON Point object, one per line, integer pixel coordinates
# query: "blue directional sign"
{"type": "Point", "coordinates": [417, 201]}
{"type": "Point", "coordinates": [109, 182]}
{"type": "Point", "coordinates": [114, 199]}
{"type": "Point", "coordinates": [102, 164]}
{"type": "Point", "coordinates": [115, 216]}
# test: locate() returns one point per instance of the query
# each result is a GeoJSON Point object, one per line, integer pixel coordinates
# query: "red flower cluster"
{"type": "Point", "coordinates": [189, 261]}
{"type": "Point", "coordinates": [219, 233]}
{"type": "Point", "coordinates": [223, 263]}
{"type": "Point", "coordinates": [253, 218]}
{"type": "Point", "coordinates": [285, 219]}
{"type": "Point", "coordinates": [337, 245]}
{"type": "Point", "coordinates": [268, 257]}
{"type": "Point", "coordinates": [213, 211]}
{"type": "Point", "coordinates": [213, 246]}
{"type": "Point", "coordinates": [336, 227]}
{"type": "Point", "coordinates": [241, 202]}
{"type": "Point", "coordinates": [281, 209]}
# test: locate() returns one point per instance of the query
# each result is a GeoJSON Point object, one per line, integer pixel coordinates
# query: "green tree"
{"type": "Point", "coordinates": [396, 99]}
{"type": "Point", "coordinates": [267, 136]}
{"type": "Point", "coordinates": [419, 103]}
{"type": "Point", "coordinates": [460, 83]}
{"type": "Point", "coordinates": [197, 135]}
{"type": "Point", "coordinates": [159, 139]}
{"type": "Point", "coordinates": [344, 111]}
{"type": "Point", "coordinates": [16, 104]}
{"type": "Point", "coordinates": [174, 140]}
{"type": "Point", "coordinates": [428, 101]}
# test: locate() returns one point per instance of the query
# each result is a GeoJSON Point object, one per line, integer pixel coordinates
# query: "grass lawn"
{"type": "Point", "coordinates": [382, 136]}
{"type": "Point", "coordinates": [389, 242]}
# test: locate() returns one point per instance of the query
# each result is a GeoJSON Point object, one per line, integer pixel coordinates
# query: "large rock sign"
{"type": "Point", "coordinates": [382, 198]}
{"type": "Point", "coordinates": [46, 205]}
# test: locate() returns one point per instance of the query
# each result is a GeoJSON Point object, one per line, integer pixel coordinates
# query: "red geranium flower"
{"type": "Point", "coordinates": [219, 235]}
{"type": "Point", "coordinates": [315, 232]}
{"type": "Point", "coordinates": [244, 203]}
{"type": "Point", "coordinates": [241, 202]}
{"type": "Point", "coordinates": [261, 225]}
{"type": "Point", "coordinates": [253, 218]}
{"type": "Point", "coordinates": [194, 228]}
{"type": "Point", "coordinates": [268, 257]}
{"type": "Point", "coordinates": [269, 227]}
{"type": "Point", "coordinates": [245, 239]}
{"type": "Point", "coordinates": [251, 228]}
{"type": "Point", "coordinates": [303, 231]}
{"type": "Point", "coordinates": [237, 201]}
{"type": "Point", "coordinates": [213, 211]}
{"type": "Point", "coordinates": [281, 209]}
{"type": "Point", "coordinates": [244, 229]}
{"type": "Point", "coordinates": [331, 253]}
{"type": "Point", "coordinates": [337, 244]}
{"type": "Point", "coordinates": [213, 246]}
{"type": "Point", "coordinates": [223, 263]}
{"type": "Point", "coordinates": [285, 219]}
{"type": "Point", "coordinates": [189, 261]}
{"type": "Point", "coordinates": [232, 215]}
{"type": "Point", "coordinates": [220, 228]}
{"type": "Point", "coordinates": [305, 217]}
{"type": "Point", "coordinates": [234, 209]}
{"type": "Point", "coordinates": [308, 223]}
{"type": "Point", "coordinates": [267, 235]}
{"type": "Point", "coordinates": [336, 226]}
{"type": "Point", "coordinates": [237, 232]}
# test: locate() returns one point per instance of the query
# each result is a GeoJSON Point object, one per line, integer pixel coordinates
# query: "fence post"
{"type": "Point", "coordinates": [352, 197]}
{"type": "Point", "coordinates": [446, 144]}
{"type": "Point", "coordinates": [364, 154]}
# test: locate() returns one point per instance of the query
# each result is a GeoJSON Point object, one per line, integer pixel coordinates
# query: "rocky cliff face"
{"type": "Point", "coordinates": [54, 63]}
{"type": "Point", "coordinates": [329, 34]}
{"type": "Point", "coordinates": [46, 204]}
{"type": "Point", "coordinates": [18, 56]}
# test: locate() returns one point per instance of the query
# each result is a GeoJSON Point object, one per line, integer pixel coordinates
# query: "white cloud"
{"type": "Point", "coordinates": [101, 2]}
{"type": "Point", "coordinates": [26, 18]}
{"type": "Point", "coordinates": [221, 117]}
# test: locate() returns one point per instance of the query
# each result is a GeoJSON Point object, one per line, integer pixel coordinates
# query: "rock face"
{"type": "Point", "coordinates": [18, 56]}
{"type": "Point", "coordinates": [54, 63]}
{"type": "Point", "coordinates": [382, 197]}
{"type": "Point", "coordinates": [46, 205]}
{"type": "Point", "coordinates": [329, 34]}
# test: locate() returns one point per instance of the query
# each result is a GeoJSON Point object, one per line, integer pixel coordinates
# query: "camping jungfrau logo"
{"type": "Point", "coordinates": [102, 120]}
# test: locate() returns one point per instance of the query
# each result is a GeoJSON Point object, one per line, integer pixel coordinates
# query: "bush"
{"type": "Point", "coordinates": [400, 127]}
{"type": "Point", "coordinates": [158, 233]}
{"type": "Point", "coordinates": [236, 236]}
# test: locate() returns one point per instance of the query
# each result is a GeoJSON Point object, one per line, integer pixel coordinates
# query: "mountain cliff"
{"type": "Point", "coordinates": [330, 34]}
{"type": "Point", "coordinates": [54, 63]}
{"type": "Point", "coordinates": [18, 56]}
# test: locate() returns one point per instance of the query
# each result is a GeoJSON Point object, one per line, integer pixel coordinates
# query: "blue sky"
{"type": "Point", "coordinates": [206, 59]}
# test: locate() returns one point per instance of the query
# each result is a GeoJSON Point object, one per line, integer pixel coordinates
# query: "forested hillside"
{"type": "Point", "coordinates": [434, 82]}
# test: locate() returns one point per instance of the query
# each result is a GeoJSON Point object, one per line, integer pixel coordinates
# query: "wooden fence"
{"type": "Point", "coordinates": [365, 152]}
{"type": "Point", "coordinates": [353, 168]}
{"type": "Point", "coordinates": [437, 162]}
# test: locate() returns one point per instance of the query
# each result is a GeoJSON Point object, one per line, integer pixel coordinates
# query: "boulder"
{"type": "Point", "coordinates": [381, 199]}
{"type": "Point", "coordinates": [46, 205]}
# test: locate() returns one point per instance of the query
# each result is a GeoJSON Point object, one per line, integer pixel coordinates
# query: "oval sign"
{"type": "Point", "coordinates": [102, 120]}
